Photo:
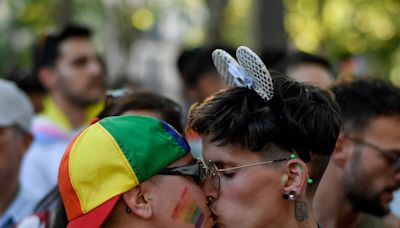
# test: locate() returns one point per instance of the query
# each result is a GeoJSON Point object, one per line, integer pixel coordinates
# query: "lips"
{"type": "Point", "coordinates": [217, 222]}
{"type": "Point", "coordinates": [214, 217]}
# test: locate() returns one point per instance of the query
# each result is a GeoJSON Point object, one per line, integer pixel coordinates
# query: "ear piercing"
{"type": "Point", "coordinates": [284, 179]}
{"type": "Point", "coordinates": [127, 210]}
{"type": "Point", "coordinates": [148, 198]}
{"type": "Point", "coordinates": [209, 200]}
{"type": "Point", "coordinates": [291, 195]}
{"type": "Point", "coordinates": [309, 180]}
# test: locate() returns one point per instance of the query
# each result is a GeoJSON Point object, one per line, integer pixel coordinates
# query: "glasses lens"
{"type": "Point", "coordinates": [213, 176]}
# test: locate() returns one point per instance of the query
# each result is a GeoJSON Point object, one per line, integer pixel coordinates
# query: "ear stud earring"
{"type": "Point", "coordinates": [148, 198]}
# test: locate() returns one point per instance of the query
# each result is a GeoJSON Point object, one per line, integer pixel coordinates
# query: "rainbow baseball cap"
{"type": "Point", "coordinates": [111, 157]}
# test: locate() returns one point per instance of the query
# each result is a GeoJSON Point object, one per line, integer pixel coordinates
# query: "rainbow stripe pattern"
{"type": "Point", "coordinates": [113, 156]}
{"type": "Point", "coordinates": [188, 211]}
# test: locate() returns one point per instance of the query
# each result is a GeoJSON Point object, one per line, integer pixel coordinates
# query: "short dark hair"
{"type": "Point", "coordinates": [26, 81]}
{"type": "Point", "coordinates": [170, 111]}
{"type": "Point", "coordinates": [296, 58]}
{"type": "Point", "coordinates": [193, 64]}
{"type": "Point", "coordinates": [362, 100]}
{"type": "Point", "coordinates": [46, 50]}
{"type": "Point", "coordinates": [300, 118]}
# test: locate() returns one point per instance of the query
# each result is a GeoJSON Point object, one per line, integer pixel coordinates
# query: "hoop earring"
{"type": "Point", "coordinates": [291, 195]}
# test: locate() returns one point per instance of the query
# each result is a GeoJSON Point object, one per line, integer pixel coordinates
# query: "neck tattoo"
{"type": "Point", "coordinates": [300, 210]}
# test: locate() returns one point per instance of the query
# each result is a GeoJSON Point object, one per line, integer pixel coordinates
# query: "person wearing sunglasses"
{"type": "Point", "coordinates": [364, 171]}
{"type": "Point", "coordinates": [138, 173]}
{"type": "Point", "coordinates": [119, 102]}
{"type": "Point", "coordinates": [266, 143]}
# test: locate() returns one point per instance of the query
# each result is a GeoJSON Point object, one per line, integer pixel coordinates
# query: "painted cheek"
{"type": "Point", "coordinates": [187, 210]}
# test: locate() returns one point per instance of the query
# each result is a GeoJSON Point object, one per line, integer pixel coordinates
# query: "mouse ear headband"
{"type": "Point", "coordinates": [249, 71]}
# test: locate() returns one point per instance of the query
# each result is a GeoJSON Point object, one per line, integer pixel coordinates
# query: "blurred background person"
{"type": "Point", "coordinates": [125, 102]}
{"type": "Point", "coordinates": [68, 67]}
{"type": "Point", "coordinates": [16, 112]}
{"type": "Point", "coordinates": [199, 76]}
{"type": "Point", "coordinates": [200, 79]}
{"type": "Point", "coordinates": [31, 85]}
{"type": "Point", "coordinates": [364, 169]}
{"type": "Point", "coordinates": [308, 68]}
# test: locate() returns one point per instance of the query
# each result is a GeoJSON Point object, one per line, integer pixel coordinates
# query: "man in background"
{"type": "Point", "coordinates": [308, 68]}
{"type": "Point", "coordinates": [16, 113]}
{"type": "Point", "coordinates": [67, 65]}
{"type": "Point", "coordinates": [364, 169]}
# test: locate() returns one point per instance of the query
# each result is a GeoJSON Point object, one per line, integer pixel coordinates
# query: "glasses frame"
{"type": "Point", "coordinates": [388, 155]}
{"type": "Point", "coordinates": [213, 171]}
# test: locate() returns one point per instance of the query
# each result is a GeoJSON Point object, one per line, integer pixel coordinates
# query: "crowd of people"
{"type": "Point", "coordinates": [290, 145]}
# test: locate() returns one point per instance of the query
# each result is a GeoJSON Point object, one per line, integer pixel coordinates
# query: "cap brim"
{"type": "Point", "coordinates": [96, 217]}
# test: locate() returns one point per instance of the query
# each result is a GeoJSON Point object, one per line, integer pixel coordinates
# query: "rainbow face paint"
{"type": "Point", "coordinates": [186, 210]}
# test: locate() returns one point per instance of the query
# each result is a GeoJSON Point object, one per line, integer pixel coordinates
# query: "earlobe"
{"type": "Point", "coordinates": [138, 203]}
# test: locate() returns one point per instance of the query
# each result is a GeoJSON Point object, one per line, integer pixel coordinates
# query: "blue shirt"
{"type": "Point", "coordinates": [21, 206]}
{"type": "Point", "coordinates": [395, 204]}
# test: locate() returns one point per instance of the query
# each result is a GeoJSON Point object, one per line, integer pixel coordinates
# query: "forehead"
{"type": "Point", "coordinates": [228, 153]}
{"type": "Point", "coordinates": [310, 73]}
{"type": "Point", "coordinates": [384, 131]}
{"type": "Point", "coordinates": [76, 46]}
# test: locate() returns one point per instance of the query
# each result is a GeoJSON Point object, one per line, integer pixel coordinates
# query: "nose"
{"type": "Point", "coordinates": [95, 68]}
{"type": "Point", "coordinates": [209, 190]}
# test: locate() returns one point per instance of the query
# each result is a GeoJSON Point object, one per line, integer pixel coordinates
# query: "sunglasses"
{"type": "Point", "coordinates": [197, 171]}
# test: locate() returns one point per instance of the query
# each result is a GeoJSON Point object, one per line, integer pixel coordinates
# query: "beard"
{"type": "Point", "coordinates": [368, 204]}
{"type": "Point", "coordinates": [82, 99]}
{"type": "Point", "coordinates": [360, 193]}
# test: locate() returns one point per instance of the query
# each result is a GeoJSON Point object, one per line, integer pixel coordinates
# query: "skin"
{"type": "Point", "coordinates": [311, 74]}
{"type": "Point", "coordinates": [12, 148]}
{"type": "Point", "coordinates": [76, 81]}
{"type": "Point", "coordinates": [207, 85]}
{"type": "Point", "coordinates": [252, 197]}
{"type": "Point", "coordinates": [360, 172]}
{"type": "Point", "coordinates": [158, 211]}
{"type": "Point", "coordinates": [79, 72]}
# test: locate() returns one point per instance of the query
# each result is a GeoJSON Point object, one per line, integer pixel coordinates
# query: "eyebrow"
{"type": "Point", "coordinates": [220, 163]}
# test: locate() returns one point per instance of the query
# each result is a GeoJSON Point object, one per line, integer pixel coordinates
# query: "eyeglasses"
{"type": "Point", "coordinates": [392, 156]}
{"type": "Point", "coordinates": [213, 173]}
{"type": "Point", "coordinates": [197, 171]}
